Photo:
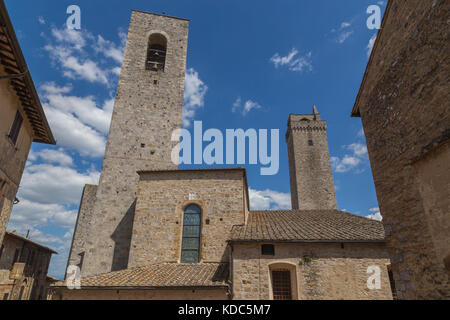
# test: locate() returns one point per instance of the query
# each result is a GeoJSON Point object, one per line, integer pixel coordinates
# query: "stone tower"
{"type": "Point", "coordinates": [148, 108]}
{"type": "Point", "coordinates": [312, 184]}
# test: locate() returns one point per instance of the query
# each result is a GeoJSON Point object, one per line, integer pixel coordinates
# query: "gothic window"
{"type": "Point", "coordinates": [192, 223]}
{"type": "Point", "coordinates": [156, 54]}
{"type": "Point", "coordinates": [281, 284]}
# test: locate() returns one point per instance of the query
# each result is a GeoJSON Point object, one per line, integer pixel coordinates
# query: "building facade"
{"type": "Point", "coordinates": [404, 107]}
{"type": "Point", "coordinates": [22, 119]}
{"type": "Point", "coordinates": [23, 269]}
{"type": "Point", "coordinates": [151, 231]}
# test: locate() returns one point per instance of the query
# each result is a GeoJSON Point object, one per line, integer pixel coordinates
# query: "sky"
{"type": "Point", "coordinates": [250, 64]}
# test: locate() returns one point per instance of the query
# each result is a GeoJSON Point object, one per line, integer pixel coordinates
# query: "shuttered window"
{"type": "Point", "coordinates": [190, 248]}
{"type": "Point", "coordinates": [281, 283]}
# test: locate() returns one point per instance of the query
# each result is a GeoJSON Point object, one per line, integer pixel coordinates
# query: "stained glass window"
{"type": "Point", "coordinates": [190, 248]}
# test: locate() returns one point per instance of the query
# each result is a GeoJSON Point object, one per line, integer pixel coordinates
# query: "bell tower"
{"type": "Point", "coordinates": [312, 185]}
{"type": "Point", "coordinates": [147, 109]}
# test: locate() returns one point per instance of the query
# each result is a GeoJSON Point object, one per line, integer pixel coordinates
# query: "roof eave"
{"type": "Point", "coordinates": [18, 54]}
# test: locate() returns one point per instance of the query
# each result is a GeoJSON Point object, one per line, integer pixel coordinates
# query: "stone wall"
{"type": "Point", "coordinates": [84, 220]}
{"type": "Point", "coordinates": [12, 157]}
{"type": "Point", "coordinates": [148, 108]}
{"type": "Point", "coordinates": [319, 271]}
{"type": "Point", "coordinates": [404, 106]}
{"type": "Point", "coordinates": [212, 294]}
{"type": "Point", "coordinates": [162, 198]}
{"type": "Point", "coordinates": [312, 186]}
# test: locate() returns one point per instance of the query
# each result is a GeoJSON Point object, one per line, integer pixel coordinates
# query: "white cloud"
{"type": "Point", "coordinates": [71, 132]}
{"type": "Point", "coordinates": [41, 20]}
{"type": "Point", "coordinates": [269, 199]}
{"type": "Point", "coordinates": [194, 96]}
{"type": "Point", "coordinates": [68, 50]}
{"type": "Point", "coordinates": [345, 164]}
{"type": "Point", "coordinates": [293, 61]}
{"type": "Point", "coordinates": [350, 161]}
{"type": "Point", "coordinates": [49, 184]}
{"type": "Point", "coordinates": [85, 108]}
{"type": "Point", "coordinates": [370, 44]}
{"type": "Point", "coordinates": [375, 215]}
{"type": "Point", "coordinates": [109, 49]}
{"type": "Point", "coordinates": [245, 108]}
{"type": "Point", "coordinates": [358, 149]}
{"type": "Point", "coordinates": [344, 36]}
{"type": "Point", "coordinates": [29, 214]}
{"type": "Point", "coordinates": [52, 156]}
{"type": "Point", "coordinates": [343, 32]}
{"type": "Point", "coordinates": [77, 122]}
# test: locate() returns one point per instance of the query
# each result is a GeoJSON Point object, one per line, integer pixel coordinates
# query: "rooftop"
{"type": "Point", "coordinates": [160, 276]}
{"type": "Point", "coordinates": [18, 236]}
{"type": "Point", "coordinates": [308, 226]}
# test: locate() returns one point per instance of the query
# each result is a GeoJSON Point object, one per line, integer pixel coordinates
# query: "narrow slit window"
{"type": "Point", "coordinates": [190, 247]}
{"type": "Point", "coordinates": [15, 129]}
{"type": "Point", "coordinates": [156, 54]}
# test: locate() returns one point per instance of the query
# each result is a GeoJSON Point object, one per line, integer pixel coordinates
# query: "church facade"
{"type": "Point", "coordinates": [152, 231]}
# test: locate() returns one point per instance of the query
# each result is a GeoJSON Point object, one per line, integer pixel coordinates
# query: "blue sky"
{"type": "Point", "coordinates": [275, 58]}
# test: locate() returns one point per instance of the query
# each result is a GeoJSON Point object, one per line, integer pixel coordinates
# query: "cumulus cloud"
{"type": "Point", "coordinates": [269, 200]}
{"type": "Point", "coordinates": [68, 50]}
{"type": "Point", "coordinates": [52, 156]}
{"type": "Point", "coordinates": [194, 96]}
{"type": "Point", "coordinates": [375, 214]}
{"type": "Point", "coordinates": [350, 161]}
{"type": "Point", "coordinates": [293, 61]}
{"type": "Point", "coordinates": [50, 184]}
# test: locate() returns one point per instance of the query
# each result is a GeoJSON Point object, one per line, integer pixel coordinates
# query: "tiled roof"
{"type": "Point", "coordinates": [318, 225]}
{"type": "Point", "coordinates": [165, 275]}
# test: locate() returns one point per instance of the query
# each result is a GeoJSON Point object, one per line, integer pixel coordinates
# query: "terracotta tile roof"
{"type": "Point", "coordinates": [165, 275]}
{"type": "Point", "coordinates": [319, 225]}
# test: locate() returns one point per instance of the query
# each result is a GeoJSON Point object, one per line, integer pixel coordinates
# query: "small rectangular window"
{"type": "Point", "coordinates": [310, 143]}
{"type": "Point", "coordinates": [15, 129]}
{"type": "Point", "coordinates": [268, 250]}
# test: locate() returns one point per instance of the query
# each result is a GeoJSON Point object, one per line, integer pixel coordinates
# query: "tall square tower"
{"type": "Point", "coordinates": [312, 186]}
{"type": "Point", "coordinates": [148, 108]}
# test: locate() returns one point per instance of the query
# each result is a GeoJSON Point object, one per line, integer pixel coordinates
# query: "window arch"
{"type": "Point", "coordinates": [192, 225]}
{"type": "Point", "coordinates": [283, 281]}
{"type": "Point", "coordinates": [156, 53]}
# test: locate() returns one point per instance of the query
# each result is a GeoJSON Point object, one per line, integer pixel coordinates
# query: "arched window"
{"type": "Point", "coordinates": [156, 54]}
{"type": "Point", "coordinates": [192, 225]}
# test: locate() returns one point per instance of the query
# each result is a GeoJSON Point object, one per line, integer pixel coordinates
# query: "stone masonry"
{"type": "Point", "coordinates": [312, 184]}
{"type": "Point", "coordinates": [320, 271]}
{"type": "Point", "coordinates": [148, 108]}
{"type": "Point", "coordinates": [162, 198]}
{"type": "Point", "coordinates": [404, 106]}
